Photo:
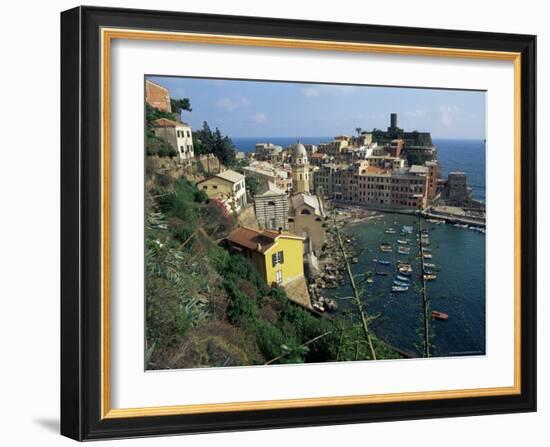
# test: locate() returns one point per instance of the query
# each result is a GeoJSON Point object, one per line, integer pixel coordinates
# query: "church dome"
{"type": "Point", "coordinates": [299, 150]}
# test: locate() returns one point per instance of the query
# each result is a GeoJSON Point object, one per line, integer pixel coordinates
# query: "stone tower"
{"type": "Point", "coordinates": [300, 169]}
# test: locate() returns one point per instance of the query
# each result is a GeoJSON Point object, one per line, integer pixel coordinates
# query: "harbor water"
{"type": "Point", "coordinates": [459, 290]}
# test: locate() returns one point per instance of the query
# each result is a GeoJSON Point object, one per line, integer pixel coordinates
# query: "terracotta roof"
{"type": "Point", "coordinates": [318, 155]}
{"type": "Point", "coordinates": [257, 240]}
{"type": "Point", "coordinates": [165, 122]}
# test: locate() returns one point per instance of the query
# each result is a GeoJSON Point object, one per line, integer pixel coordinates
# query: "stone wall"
{"type": "Point", "coordinates": [157, 96]}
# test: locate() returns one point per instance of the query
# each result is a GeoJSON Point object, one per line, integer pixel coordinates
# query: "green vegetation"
{"type": "Point", "coordinates": [207, 142]}
{"type": "Point", "coordinates": [153, 144]}
{"type": "Point", "coordinates": [178, 105]}
{"type": "Point", "coordinates": [157, 146]}
{"type": "Point", "coordinates": [208, 307]}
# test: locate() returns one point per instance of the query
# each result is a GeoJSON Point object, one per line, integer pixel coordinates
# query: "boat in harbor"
{"type": "Point", "coordinates": [381, 261]}
{"type": "Point", "coordinates": [402, 241]}
{"type": "Point", "coordinates": [403, 250]}
{"type": "Point", "coordinates": [407, 229]}
{"type": "Point", "coordinates": [390, 231]}
{"type": "Point", "coordinates": [428, 277]}
{"type": "Point", "coordinates": [427, 255]}
{"type": "Point", "coordinates": [385, 247]}
{"type": "Point", "coordinates": [403, 278]}
{"type": "Point", "coordinates": [400, 283]}
{"type": "Point", "coordinates": [399, 288]}
{"type": "Point", "coordinates": [440, 315]}
{"type": "Point", "coordinates": [407, 271]}
{"type": "Point", "coordinates": [429, 265]}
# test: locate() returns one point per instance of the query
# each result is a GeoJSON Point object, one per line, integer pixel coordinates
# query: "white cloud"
{"type": "Point", "coordinates": [229, 105]}
{"type": "Point", "coordinates": [310, 92]}
{"type": "Point", "coordinates": [447, 115]}
{"type": "Point", "coordinates": [260, 117]}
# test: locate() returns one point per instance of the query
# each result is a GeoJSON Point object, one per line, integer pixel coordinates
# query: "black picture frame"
{"type": "Point", "coordinates": [81, 223]}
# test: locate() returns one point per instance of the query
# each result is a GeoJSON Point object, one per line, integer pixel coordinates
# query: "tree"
{"type": "Point", "coordinates": [205, 142]}
{"type": "Point", "coordinates": [358, 130]}
{"type": "Point", "coordinates": [180, 104]}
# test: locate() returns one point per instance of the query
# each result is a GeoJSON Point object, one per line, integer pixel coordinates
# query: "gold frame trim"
{"type": "Point", "coordinates": [107, 35]}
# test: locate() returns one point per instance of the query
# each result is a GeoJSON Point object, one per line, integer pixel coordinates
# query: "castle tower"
{"type": "Point", "coordinates": [300, 169]}
{"type": "Point", "coordinates": [393, 120]}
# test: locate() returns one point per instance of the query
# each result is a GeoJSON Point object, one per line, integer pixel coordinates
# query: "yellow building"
{"type": "Point", "coordinates": [229, 187]}
{"type": "Point", "coordinates": [277, 256]}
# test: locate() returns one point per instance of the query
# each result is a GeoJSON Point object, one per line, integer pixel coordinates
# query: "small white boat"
{"type": "Point", "coordinates": [399, 288]}
{"type": "Point", "coordinates": [400, 283]}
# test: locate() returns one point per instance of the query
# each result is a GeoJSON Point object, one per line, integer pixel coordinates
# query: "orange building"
{"type": "Point", "coordinates": [157, 96]}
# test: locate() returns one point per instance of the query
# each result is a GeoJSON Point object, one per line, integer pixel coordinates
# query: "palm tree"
{"type": "Point", "coordinates": [358, 130]}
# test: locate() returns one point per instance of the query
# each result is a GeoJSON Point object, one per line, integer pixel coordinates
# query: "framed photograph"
{"type": "Point", "coordinates": [277, 223]}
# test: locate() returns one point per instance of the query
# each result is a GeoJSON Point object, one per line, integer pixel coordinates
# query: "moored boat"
{"type": "Point", "coordinates": [399, 288]}
{"type": "Point", "coordinates": [400, 283]}
{"type": "Point", "coordinates": [403, 278]}
{"type": "Point", "coordinates": [440, 315]}
{"type": "Point", "coordinates": [429, 277]}
{"type": "Point", "coordinates": [385, 247]}
{"type": "Point", "coordinates": [390, 231]}
{"type": "Point", "coordinates": [403, 250]}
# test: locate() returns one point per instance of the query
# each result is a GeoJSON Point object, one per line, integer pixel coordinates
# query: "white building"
{"type": "Point", "coordinates": [177, 134]}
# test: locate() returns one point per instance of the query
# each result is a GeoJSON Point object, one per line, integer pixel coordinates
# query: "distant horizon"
{"type": "Point", "coordinates": [332, 136]}
{"type": "Point", "coordinates": [291, 109]}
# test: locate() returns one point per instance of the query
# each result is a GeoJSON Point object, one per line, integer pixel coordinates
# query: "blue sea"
{"type": "Point", "coordinates": [459, 289]}
{"type": "Point", "coordinates": [467, 156]}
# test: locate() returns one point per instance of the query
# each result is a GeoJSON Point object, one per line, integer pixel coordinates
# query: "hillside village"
{"type": "Point", "coordinates": [280, 207]}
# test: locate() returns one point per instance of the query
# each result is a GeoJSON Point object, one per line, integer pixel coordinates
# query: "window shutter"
{"type": "Point", "coordinates": [273, 259]}
{"type": "Point", "coordinates": [281, 257]}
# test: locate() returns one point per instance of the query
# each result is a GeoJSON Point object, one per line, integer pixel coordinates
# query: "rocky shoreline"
{"type": "Point", "coordinates": [332, 272]}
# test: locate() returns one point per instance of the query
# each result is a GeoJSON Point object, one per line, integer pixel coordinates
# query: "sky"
{"type": "Point", "coordinates": [289, 109]}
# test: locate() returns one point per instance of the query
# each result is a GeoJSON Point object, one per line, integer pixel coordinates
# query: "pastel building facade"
{"type": "Point", "coordinates": [277, 256]}
{"type": "Point", "coordinates": [229, 187]}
